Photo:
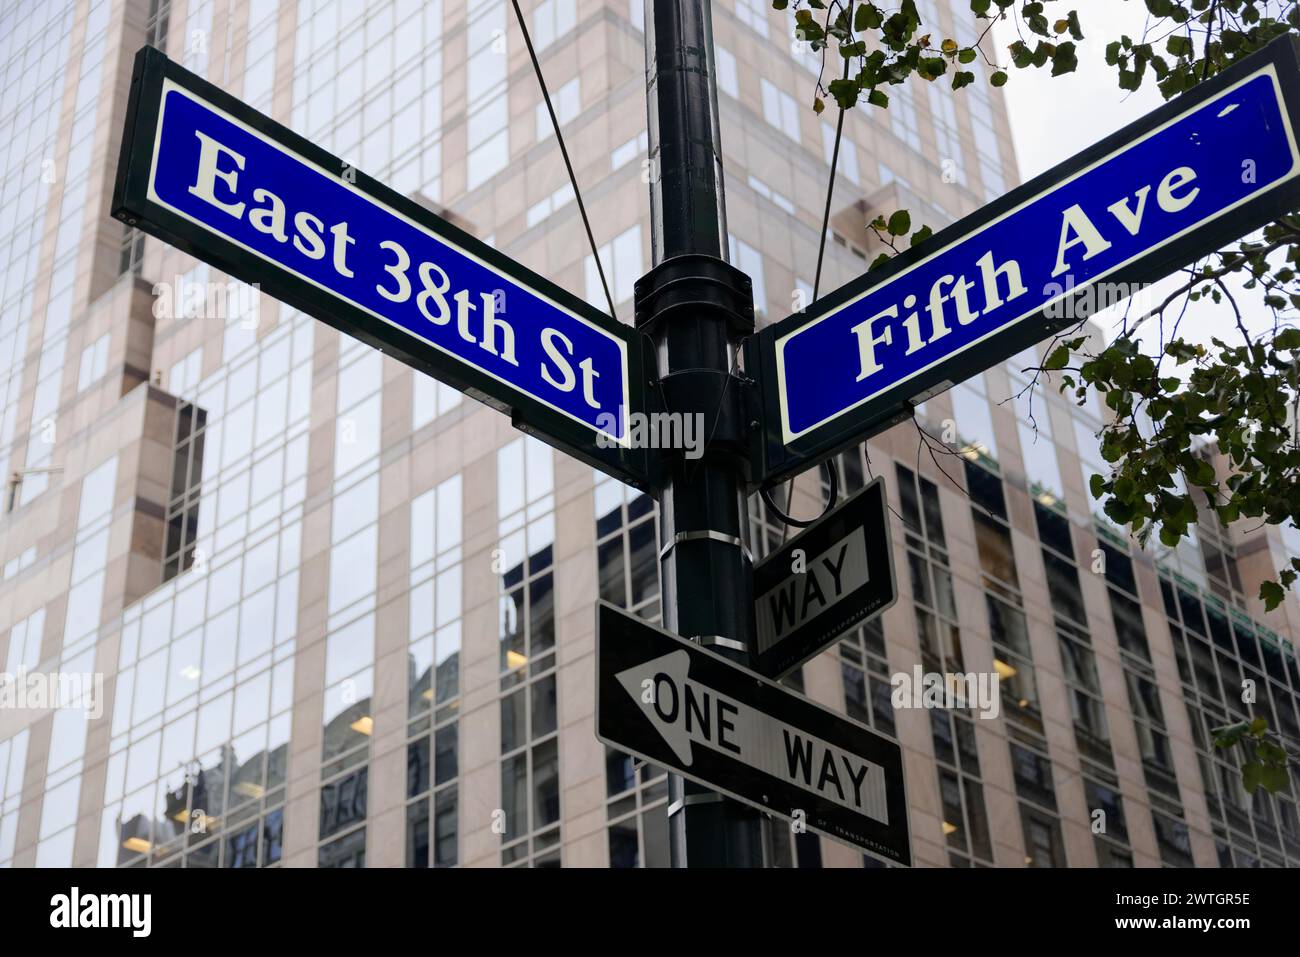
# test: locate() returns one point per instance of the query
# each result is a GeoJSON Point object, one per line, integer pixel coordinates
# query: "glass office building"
{"type": "Point", "coordinates": [344, 616]}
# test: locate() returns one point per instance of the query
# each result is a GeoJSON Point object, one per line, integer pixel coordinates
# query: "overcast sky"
{"type": "Point", "coordinates": [1052, 118]}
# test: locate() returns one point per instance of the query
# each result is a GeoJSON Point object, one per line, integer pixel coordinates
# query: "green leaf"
{"type": "Point", "coordinates": [845, 93]}
{"type": "Point", "coordinates": [967, 55]}
{"type": "Point", "coordinates": [1059, 359]}
{"type": "Point", "coordinates": [1252, 776]}
{"type": "Point", "coordinates": [1274, 779]}
{"type": "Point", "coordinates": [921, 235]}
{"type": "Point", "coordinates": [1271, 594]}
{"type": "Point", "coordinates": [999, 78]}
{"type": "Point", "coordinates": [878, 98]}
{"type": "Point", "coordinates": [900, 223]}
{"type": "Point", "coordinates": [1270, 753]}
{"type": "Point", "coordinates": [1065, 59]}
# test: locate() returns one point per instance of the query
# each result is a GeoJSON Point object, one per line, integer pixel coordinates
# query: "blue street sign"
{"type": "Point", "coordinates": [234, 188]}
{"type": "Point", "coordinates": [1207, 168]}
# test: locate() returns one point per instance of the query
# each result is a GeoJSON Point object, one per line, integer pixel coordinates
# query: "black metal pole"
{"type": "Point", "coordinates": [696, 308]}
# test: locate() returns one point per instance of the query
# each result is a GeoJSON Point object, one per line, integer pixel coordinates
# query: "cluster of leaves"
{"type": "Point", "coordinates": [1238, 395]}
{"type": "Point", "coordinates": [881, 46]}
{"type": "Point", "coordinates": [1265, 761]}
{"type": "Point", "coordinates": [1174, 401]}
{"type": "Point", "coordinates": [1223, 30]}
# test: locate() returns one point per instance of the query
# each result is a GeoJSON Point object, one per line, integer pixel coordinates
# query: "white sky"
{"type": "Point", "coordinates": [1052, 118]}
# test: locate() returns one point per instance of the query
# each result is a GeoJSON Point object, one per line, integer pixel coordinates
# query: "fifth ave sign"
{"type": "Point", "coordinates": [1205, 169]}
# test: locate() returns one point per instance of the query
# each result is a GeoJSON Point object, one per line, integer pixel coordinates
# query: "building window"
{"type": "Point", "coordinates": [94, 362]}
{"type": "Point", "coordinates": [432, 751]}
{"type": "Point", "coordinates": [623, 265]}
{"type": "Point", "coordinates": [542, 210]}
{"type": "Point", "coordinates": [155, 28]}
{"type": "Point", "coordinates": [25, 639]}
{"type": "Point", "coordinates": [847, 164]}
{"type": "Point", "coordinates": [627, 556]}
{"type": "Point", "coordinates": [183, 379]}
{"type": "Point", "coordinates": [198, 37]}
{"type": "Point", "coordinates": [430, 399]}
{"type": "Point", "coordinates": [13, 763]}
{"type": "Point", "coordinates": [767, 192]}
{"type": "Point", "coordinates": [943, 113]}
{"type": "Point", "coordinates": [552, 19]}
{"type": "Point", "coordinates": [627, 152]}
{"type": "Point", "coordinates": [131, 258]}
{"type": "Point", "coordinates": [182, 520]}
{"type": "Point", "coordinates": [750, 261]}
{"type": "Point", "coordinates": [488, 136]}
{"type": "Point", "coordinates": [724, 62]}
{"type": "Point", "coordinates": [753, 13]}
{"type": "Point", "coordinates": [970, 407]}
{"type": "Point", "coordinates": [530, 791]}
{"type": "Point", "coordinates": [780, 109]}
{"type": "Point", "coordinates": [965, 824]}
{"type": "Point", "coordinates": [567, 101]}
{"type": "Point", "coordinates": [343, 807]}
{"type": "Point", "coordinates": [902, 115]}
{"type": "Point", "coordinates": [259, 55]}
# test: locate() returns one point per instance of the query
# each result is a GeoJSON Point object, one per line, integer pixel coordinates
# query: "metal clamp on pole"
{"type": "Point", "coordinates": [694, 307]}
{"type": "Point", "coordinates": [706, 286]}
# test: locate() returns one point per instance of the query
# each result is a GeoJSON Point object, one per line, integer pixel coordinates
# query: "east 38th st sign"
{"type": "Point", "coordinates": [212, 176]}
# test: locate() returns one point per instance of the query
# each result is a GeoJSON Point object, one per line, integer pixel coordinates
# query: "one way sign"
{"type": "Point", "coordinates": [828, 578]}
{"type": "Point", "coordinates": [674, 703]}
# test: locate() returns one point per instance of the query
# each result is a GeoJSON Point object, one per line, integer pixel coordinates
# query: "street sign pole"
{"type": "Point", "coordinates": [695, 308]}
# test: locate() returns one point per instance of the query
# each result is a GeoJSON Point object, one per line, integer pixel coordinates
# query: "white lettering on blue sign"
{"type": "Point", "coordinates": [225, 177]}
{"type": "Point", "coordinates": [1128, 204]}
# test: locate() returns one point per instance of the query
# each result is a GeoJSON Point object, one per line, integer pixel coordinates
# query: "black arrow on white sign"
{"type": "Point", "coordinates": [676, 704]}
{"type": "Point", "coordinates": [837, 574]}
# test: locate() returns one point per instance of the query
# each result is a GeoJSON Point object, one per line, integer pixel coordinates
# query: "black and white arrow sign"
{"type": "Point", "coordinates": [676, 704]}
{"type": "Point", "coordinates": [837, 574]}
